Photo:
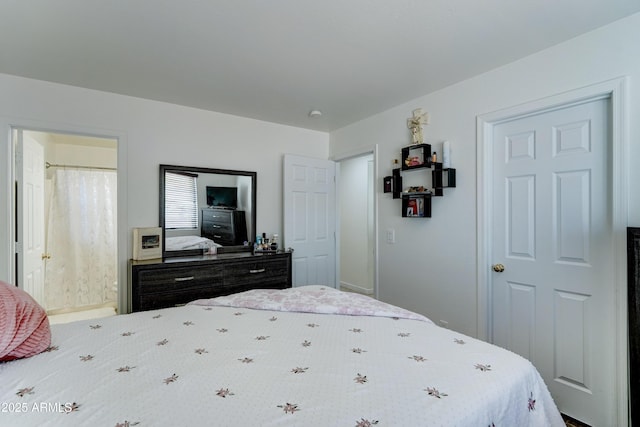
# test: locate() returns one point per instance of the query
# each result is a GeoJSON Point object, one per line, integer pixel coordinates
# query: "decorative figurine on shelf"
{"type": "Point", "coordinates": [417, 189]}
{"type": "Point", "coordinates": [415, 123]}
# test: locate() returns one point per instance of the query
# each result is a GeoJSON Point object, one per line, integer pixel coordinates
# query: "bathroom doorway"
{"type": "Point", "coordinates": [66, 222]}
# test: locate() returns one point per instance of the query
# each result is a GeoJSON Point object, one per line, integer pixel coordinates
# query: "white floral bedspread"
{"type": "Point", "coordinates": [203, 365]}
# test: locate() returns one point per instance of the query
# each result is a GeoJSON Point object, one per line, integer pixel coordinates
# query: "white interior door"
{"type": "Point", "coordinates": [30, 190]}
{"type": "Point", "coordinates": [554, 303]}
{"type": "Point", "coordinates": [310, 219]}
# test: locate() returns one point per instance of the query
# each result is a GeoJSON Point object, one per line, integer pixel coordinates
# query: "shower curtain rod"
{"type": "Point", "coordinates": [51, 165]}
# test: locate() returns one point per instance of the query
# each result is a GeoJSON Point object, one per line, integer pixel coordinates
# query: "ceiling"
{"type": "Point", "coordinates": [276, 60]}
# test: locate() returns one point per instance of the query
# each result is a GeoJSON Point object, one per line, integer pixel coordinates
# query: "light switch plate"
{"type": "Point", "coordinates": [391, 235]}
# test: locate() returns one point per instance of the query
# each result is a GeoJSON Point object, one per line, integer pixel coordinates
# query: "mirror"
{"type": "Point", "coordinates": [202, 208]}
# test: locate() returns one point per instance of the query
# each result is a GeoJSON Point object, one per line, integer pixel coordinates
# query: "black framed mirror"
{"type": "Point", "coordinates": [204, 208]}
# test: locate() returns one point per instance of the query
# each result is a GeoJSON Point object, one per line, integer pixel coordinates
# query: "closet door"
{"type": "Point", "coordinates": [310, 219]}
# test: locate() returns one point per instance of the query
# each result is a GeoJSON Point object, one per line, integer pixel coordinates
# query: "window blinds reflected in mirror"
{"type": "Point", "coordinates": [181, 200]}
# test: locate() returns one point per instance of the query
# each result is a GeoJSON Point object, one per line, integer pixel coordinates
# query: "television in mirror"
{"type": "Point", "coordinates": [222, 197]}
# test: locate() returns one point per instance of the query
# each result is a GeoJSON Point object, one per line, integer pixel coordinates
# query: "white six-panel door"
{"type": "Point", "coordinates": [310, 219]}
{"type": "Point", "coordinates": [554, 303]}
{"type": "Point", "coordinates": [31, 248]}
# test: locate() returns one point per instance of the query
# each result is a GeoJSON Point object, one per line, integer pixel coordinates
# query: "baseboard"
{"type": "Point", "coordinates": [356, 288]}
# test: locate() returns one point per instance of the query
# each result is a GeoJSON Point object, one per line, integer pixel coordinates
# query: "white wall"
{"type": "Point", "coordinates": [83, 155]}
{"type": "Point", "coordinates": [355, 242]}
{"type": "Point", "coordinates": [151, 133]}
{"type": "Point", "coordinates": [432, 267]}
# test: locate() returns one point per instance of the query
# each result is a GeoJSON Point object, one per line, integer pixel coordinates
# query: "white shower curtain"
{"type": "Point", "coordinates": [81, 239]}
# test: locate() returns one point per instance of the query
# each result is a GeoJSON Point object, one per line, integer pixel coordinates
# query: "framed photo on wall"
{"type": "Point", "coordinates": [147, 243]}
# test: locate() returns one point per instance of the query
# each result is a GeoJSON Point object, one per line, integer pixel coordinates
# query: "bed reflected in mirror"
{"type": "Point", "coordinates": [206, 210]}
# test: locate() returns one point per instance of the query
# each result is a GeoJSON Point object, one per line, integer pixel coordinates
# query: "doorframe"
{"type": "Point", "coordinates": [358, 152]}
{"type": "Point", "coordinates": [616, 91]}
{"type": "Point", "coordinates": [7, 195]}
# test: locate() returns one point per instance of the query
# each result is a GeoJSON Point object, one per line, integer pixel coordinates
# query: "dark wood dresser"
{"type": "Point", "coordinates": [177, 281]}
{"type": "Point", "coordinates": [224, 226]}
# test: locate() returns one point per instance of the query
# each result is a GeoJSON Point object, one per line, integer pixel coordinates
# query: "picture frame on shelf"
{"type": "Point", "coordinates": [420, 206]}
{"type": "Point", "coordinates": [388, 183]}
{"type": "Point", "coordinates": [147, 243]}
{"type": "Point", "coordinates": [412, 207]}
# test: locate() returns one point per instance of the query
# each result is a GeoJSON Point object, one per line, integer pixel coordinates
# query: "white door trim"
{"type": "Point", "coordinates": [616, 91]}
{"type": "Point", "coordinates": [7, 237]}
{"type": "Point", "coordinates": [357, 152]}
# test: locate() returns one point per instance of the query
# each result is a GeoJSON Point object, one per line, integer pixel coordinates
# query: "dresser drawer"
{"type": "Point", "coordinates": [213, 225]}
{"type": "Point", "coordinates": [260, 272]}
{"type": "Point", "coordinates": [171, 286]}
{"type": "Point", "coordinates": [152, 301]}
{"type": "Point", "coordinates": [213, 228]}
{"type": "Point", "coordinates": [217, 216]}
{"type": "Point", "coordinates": [175, 279]}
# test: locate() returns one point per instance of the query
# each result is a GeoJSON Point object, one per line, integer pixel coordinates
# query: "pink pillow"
{"type": "Point", "coordinates": [24, 326]}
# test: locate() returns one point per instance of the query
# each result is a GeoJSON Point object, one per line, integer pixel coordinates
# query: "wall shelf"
{"type": "Point", "coordinates": [417, 203]}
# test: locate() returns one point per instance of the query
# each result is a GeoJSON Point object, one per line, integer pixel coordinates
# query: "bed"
{"type": "Point", "coordinates": [311, 356]}
{"type": "Point", "coordinates": [179, 243]}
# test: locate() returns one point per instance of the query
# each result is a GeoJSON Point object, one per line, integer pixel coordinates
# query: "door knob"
{"type": "Point", "coordinates": [498, 268]}
{"type": "Point", "coordinates": [46, 256]}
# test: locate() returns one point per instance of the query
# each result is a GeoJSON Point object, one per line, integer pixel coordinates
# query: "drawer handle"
{"type": "Point", "coordinates": [184, 279]}
{"type": "Point", "coordinates": [261, 270]}
{"type": "Point", "coordinates": [216, 226]}
{"type": "Point", "coordinates": [217, 236]}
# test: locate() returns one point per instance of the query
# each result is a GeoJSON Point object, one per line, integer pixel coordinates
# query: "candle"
{"type": "Point", "coordinates": [446, 155]}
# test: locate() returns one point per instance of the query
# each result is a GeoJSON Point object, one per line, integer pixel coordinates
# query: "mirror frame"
{"type": "Point", "coordinates": [194, 169]}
